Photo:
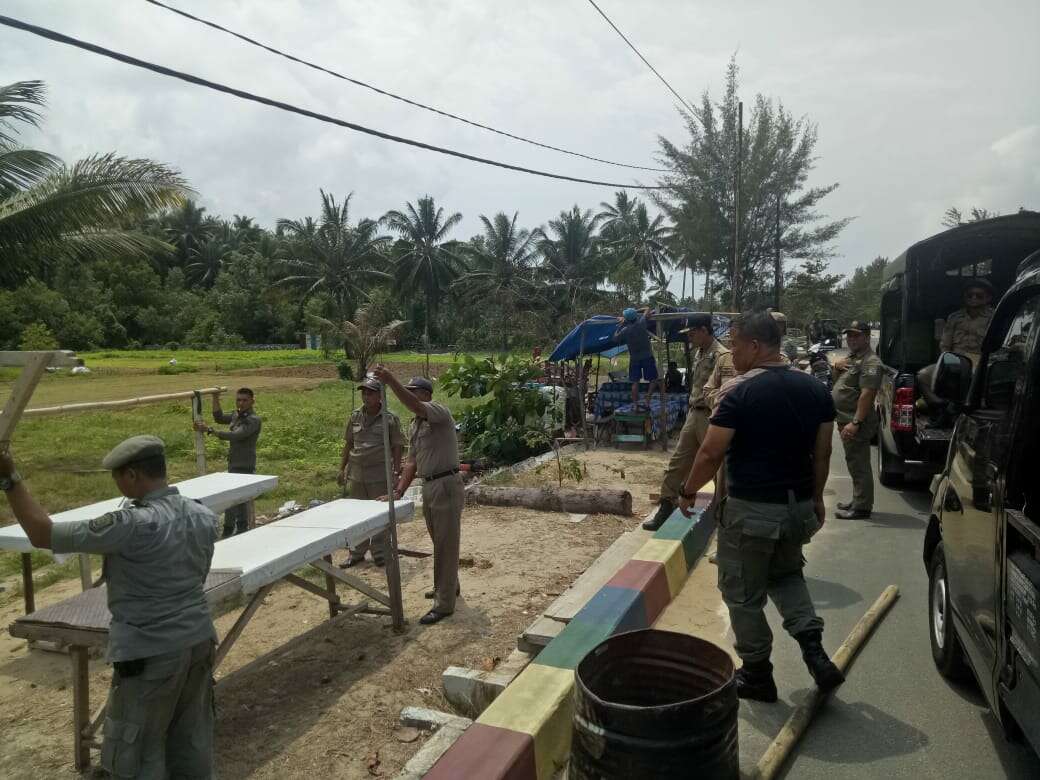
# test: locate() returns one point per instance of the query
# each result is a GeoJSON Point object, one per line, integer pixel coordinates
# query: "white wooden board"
{"type": "Point", "coordinates": [218, 491]}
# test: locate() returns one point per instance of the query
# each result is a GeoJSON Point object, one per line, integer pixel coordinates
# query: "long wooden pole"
{"type": "Point", "coordinates": [393, 566]}
{"type": "Point", "coordinates": [778, 751]}
{"type": "Point", "coordinates": [200, 437]}
{"type": "Point", "coordinates": [22, 391]}
{"type": "Point", "coordinates": [125, 403]}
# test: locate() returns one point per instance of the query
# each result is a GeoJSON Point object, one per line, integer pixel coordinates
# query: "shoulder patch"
{"type": "Point", "coordinates": [99, 524]}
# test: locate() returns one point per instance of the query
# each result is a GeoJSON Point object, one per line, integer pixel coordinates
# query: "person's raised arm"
{"type": "Point", "coordinates": [30, 515]}
{"type": "Point", "coordinates": [404, 395]}
{"type": "Point", "coordinates": [821, 467]}
{"type": "Point", "coordinates": [218, 413]}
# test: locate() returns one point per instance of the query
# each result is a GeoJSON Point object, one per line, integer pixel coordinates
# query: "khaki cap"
{"type": "Point", "coordinates": [371, 384]}
{"type": "Point", "coordinates": [132, 450]}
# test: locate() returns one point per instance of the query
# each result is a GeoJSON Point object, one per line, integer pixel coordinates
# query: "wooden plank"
{"type": "Point", "coordinates": [28, 587]}
{"type": "Point", "coordinates": [240, 624]}
{"type": "Point", "coordinates": [537, 635]}
{"type": "Point", "coordinates": [595, 577]}
{"type": "Point", "coordinates": [354, 582]}
{"type": "Point", "coordinates": [21, 392]}
{"type": "Point", "coordinates": [80, 705]}
{"type": "Point", "coordinates": [57, 357]}
{"type": "Point", "coordinates": [330, 588]}
{"type": "Point", "coordinates": [310, 587]}
{"type": "Point", "coordinates": [48, 633]}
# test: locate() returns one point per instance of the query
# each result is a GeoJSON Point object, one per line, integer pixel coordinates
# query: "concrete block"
{"type": "Point", "coordinates": [472, 690]}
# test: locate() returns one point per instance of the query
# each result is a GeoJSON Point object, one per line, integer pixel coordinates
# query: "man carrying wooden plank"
{"type": "Point", "coordinates": [157, 553]}
{"type": "Point", "coordinates": [363, 464]}
{"type": "Point", "coordinates": [242, 435]}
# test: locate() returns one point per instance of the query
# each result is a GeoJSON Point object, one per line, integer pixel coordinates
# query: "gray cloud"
{"type": "Point", "coordinates": [920, 105]}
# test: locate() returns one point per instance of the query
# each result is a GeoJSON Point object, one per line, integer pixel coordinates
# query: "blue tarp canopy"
{"type": "Point", "coordinates": [595, 335]}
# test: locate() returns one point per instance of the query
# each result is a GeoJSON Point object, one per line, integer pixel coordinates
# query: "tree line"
{"type": "Point", "coordinates": [114, 252]}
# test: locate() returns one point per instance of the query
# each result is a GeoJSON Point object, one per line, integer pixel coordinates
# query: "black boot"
{"type": "Point", "coordinates": [664, 511]}
{"type": "Point", "coordinates": [755, 681]}
{"type": "Point", "coordinates": [821, 667]}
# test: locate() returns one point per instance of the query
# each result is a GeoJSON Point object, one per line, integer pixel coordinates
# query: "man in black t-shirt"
{"type": "Point", "coordinates": [774, 429]}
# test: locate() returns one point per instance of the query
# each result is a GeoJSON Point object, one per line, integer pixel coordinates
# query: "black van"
{"type": "Point", "coordinates": [982, 545]}
{"type": "Point", "coordinates": [921, 288]}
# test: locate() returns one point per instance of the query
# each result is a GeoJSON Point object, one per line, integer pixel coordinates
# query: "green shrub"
{"type": "Point", "coordinates": [37, 337]}
{"type": "Point", "coordinates": [178, 369]}
{"type": "Point", "coordinates": [345, 371]}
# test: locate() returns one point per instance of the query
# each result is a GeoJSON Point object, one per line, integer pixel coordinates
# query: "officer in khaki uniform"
{"type": "Point", "coordinates": [710, 358]}
{"type": "Point", "coordinates": [157, 552]}
{"type": "Point", "coordinates": [433, 454]}
{"type": "Point", "coordinates": [363, 465]}
{"type": "Point", "coordinates": [857, 383]}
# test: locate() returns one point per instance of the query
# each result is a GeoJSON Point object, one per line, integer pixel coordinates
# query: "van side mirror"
{"type": "Point", "coordinates": [952, 377]}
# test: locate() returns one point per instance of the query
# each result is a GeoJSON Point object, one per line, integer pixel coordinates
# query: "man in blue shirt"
{"type": "Point", "coordinates": [774, 428]}
{"type": "Point", "coordinates": [633, 333]}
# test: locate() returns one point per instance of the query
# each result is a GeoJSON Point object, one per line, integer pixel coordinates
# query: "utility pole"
{"type": "Point", "coordinates": [736, 208]}
{"type": "Point", "coordinates": [778, 271]}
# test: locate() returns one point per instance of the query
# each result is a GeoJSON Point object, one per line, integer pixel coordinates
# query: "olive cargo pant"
{"type": "Point", "coordinates": [690, 437]}
{"type": "Point", "coordinates": [236, 518]}
{"type": "Point", "coordinates": [442, 502]}
{"type": "Point", "coordinates": [760, 554]}
{"type": "Point", "coordinates": [369, 491]}
{"type": "Point", "coordinates": [159, 722]}
{"type": "Point", "coordinates": [857, 458]}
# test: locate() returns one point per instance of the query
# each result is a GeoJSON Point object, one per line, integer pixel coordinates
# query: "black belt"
{"type": "Point", "coordinates": [770, 496]}
{"type": "Point", "coordinates": [447, 473]}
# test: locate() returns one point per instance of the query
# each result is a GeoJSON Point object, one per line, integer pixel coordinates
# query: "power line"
{"type": "Point", "coordinates": [645, 61]}
{"type": "Point", "coordinates": [385, 93]}
{"type": "Point", "coordinates": [161, 69]}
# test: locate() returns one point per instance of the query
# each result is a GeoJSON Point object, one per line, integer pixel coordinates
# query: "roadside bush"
{"type": "Point", "coordinates": [507, 426]}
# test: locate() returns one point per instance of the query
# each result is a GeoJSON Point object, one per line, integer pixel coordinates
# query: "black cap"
{"type": "Point", "coordinates": [858, 326]}
{"type": "Point", "coordinates": [420, 383]}
{"type": "Point", "coordinates": [695, 321]}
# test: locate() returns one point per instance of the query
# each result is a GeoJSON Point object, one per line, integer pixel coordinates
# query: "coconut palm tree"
{"type": "Point", "coordinates": [571, 252]}
{"type": "Point", "coordinates": [364, 337]}
{"type": "Point", "coordinates": [330, 255]}
{"type": "Point", "coordinates": [51, 211]}
{"type": "Point", "coordinates": [425, 260]}
{"type": "Point", "coordinates": [208, 258]}
{"type": "Point", "coordinates": [502, 262]}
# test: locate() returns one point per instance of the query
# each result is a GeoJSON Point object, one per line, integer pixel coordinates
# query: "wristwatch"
{"type": "Point", "coordinates": [8, 482]}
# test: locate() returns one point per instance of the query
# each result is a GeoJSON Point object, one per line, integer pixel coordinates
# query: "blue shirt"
{"type": "Point", "coordinates": [637, 338]}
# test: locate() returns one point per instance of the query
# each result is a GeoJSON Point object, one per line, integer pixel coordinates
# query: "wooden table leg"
{"type": "Point", "coordinates": [330, 586]}
{"type": "Point", "coordinates": [80, 705]}
{"type": "Point", "coordinates": [251, 515]}
{"type": "Point", "coordinates": [28, 590]}
{"type": "Point", "coordinates": [85, 580]}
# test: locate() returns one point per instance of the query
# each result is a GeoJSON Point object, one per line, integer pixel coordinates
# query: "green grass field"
{"type": "Point", "coordinates": [301, 441]}
{"type": "Point", "coordinates": [197, 360]}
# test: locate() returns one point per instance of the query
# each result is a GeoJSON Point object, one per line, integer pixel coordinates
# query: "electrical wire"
{"type": "Point", "coordinates": [631, 45]}
{"type": "Point", "coordinates": [385, 93]}
{"type": "Point", "coordinates": [43, 32]}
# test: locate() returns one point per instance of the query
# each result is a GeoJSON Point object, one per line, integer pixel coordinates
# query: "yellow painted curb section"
{"type": "Point", "coordinates": [670, 553]}
{"type": "Point", "coordinates": [538, 702]}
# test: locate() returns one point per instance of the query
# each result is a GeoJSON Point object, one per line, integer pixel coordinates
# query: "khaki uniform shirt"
{"type": "Point", "coordinates": [364, 437]}
{"type": "Point", "coordinates": [432, 442]}
{"type": "Point", "coordinates": [242, 435]}
{"type": "Point", "coordinates": [862, 372]}
{"type": "Point", "coordinates": [722, 370]}
{"type": "Point", "coordinates": [157, 553]}
{"type": "Point", "coordinates": [964, 333]}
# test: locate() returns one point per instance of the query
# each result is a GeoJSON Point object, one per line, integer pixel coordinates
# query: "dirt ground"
{"type": "Point", "coordinates": [302, 695]}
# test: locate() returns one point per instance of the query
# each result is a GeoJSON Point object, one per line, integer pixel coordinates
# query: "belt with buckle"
{"type": "Point", "coordinates": [441, 475]}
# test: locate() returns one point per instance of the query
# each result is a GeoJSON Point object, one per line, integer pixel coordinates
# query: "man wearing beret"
{"type": "Point", "coordinates": [433, 454]}
{"type": "Point", "coordinates": [363, 465]}
{"type": "Point", "coordinates": [157, 552]}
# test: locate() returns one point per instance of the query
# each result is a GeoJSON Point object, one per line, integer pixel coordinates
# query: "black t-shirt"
{"type": "Point", "coordinates": [775, 416]}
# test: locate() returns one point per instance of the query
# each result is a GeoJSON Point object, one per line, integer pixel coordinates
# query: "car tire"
{"type": "Point", "coordinates": [889, 473]}
{"type": "Point", "coordinates": [947, 651]}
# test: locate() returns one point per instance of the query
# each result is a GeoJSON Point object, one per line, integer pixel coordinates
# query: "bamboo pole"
{"type": "Point", "coordinates": [125, 403]}
{"type": "Point", "coordinates": [200, 437]}
{"type": "Point", "coordinates": [780, 748]}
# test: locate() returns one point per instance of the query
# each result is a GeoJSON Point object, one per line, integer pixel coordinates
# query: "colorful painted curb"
{"type": "Point", "coordinates": [525, 734]}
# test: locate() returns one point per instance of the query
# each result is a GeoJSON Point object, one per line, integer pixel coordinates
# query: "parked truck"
{"type": "Point", "coordinates": [921, 288]}
{"type": "Point", "coordinates": [982, 544]}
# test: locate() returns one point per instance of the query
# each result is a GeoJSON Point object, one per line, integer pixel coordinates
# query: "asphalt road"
{"type": "Point", "coordinates": [895, 716]}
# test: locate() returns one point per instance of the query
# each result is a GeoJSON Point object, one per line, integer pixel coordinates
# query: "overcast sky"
{"type": "Point", "coordinates": [920, 105]}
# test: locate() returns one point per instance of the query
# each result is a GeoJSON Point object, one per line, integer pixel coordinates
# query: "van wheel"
{"type": "Point", "coordinates": [946, 647]}
{"type": "Point", "coordinates": [890, 473]}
